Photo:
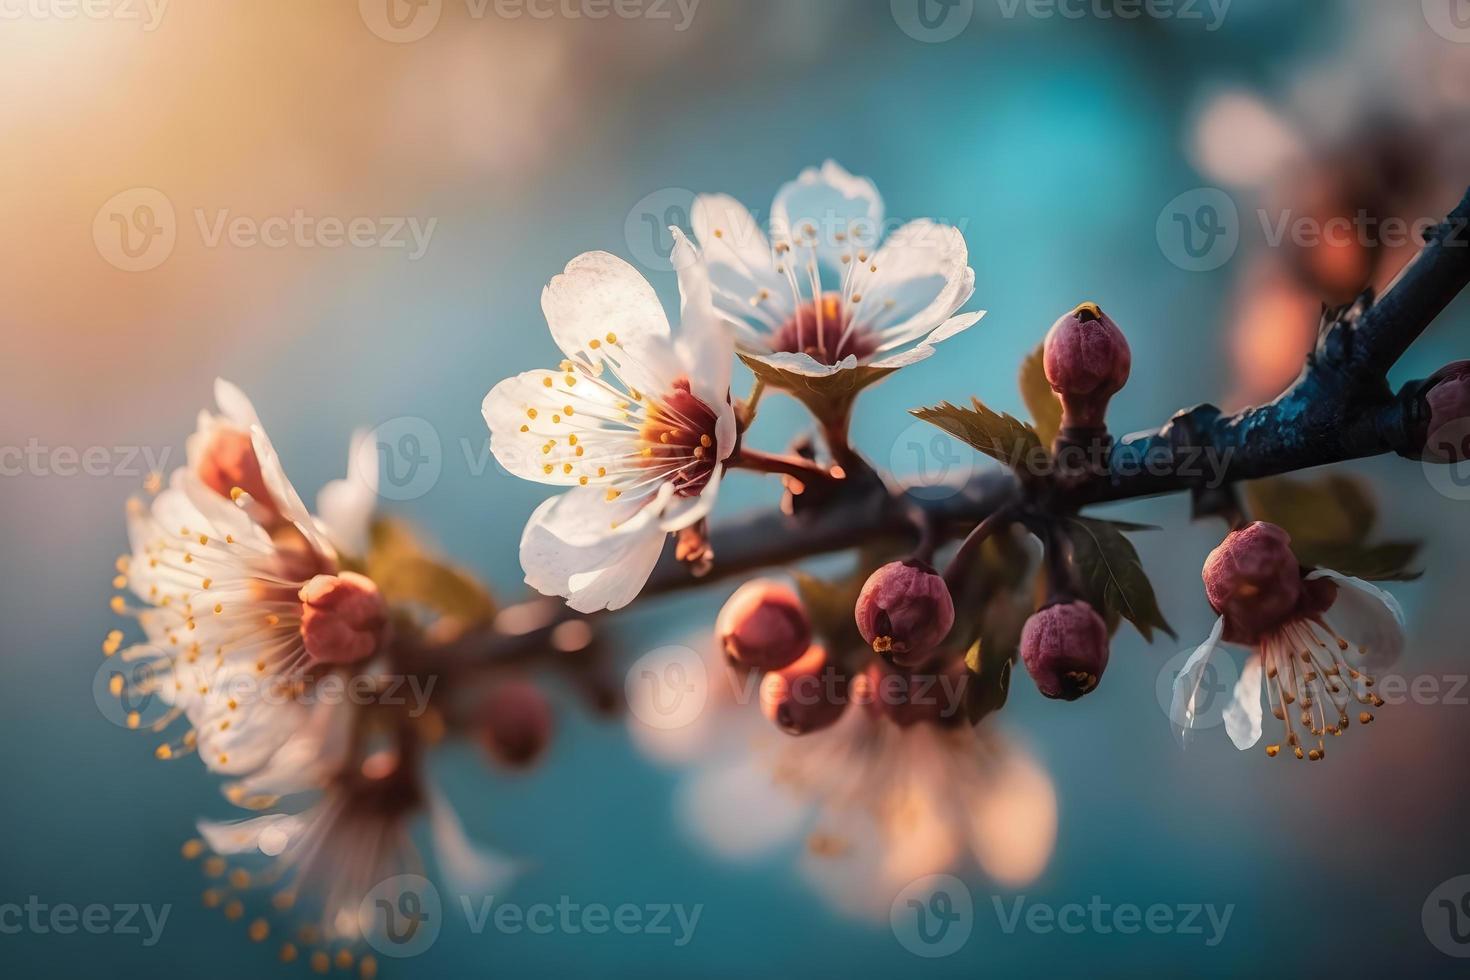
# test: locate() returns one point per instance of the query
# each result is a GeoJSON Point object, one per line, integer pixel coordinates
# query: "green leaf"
{"type": "Point", "coordinates": [1001, 436]}
{"type": "Point", "coordinates": [1041, 401]}
{"type": "Point", "coordinates": [990, 681]}
{"type": "Point", "coordinates": [1336, 509]}
{"type": "Point", "coordinates": [406, 573]}
{"type": "Point", "coordinates": [1112, 576]}
{"type": "Point", "coordinates": [1330, 521]}
{"type": "Point", "coordinates": [824, 395]}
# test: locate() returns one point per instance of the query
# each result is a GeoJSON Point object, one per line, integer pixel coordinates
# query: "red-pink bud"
{"type": "Point", "coordinates": [1087, 361]}
{"type": "Point", "coordinates": [1448, 393]}
{"type": "Point", "coordinates": [228, 462]}
{"type": "Point", "coordinates": [1065, 647]}
{"type": "Point", "coordinates": [805, 696]}
{"type": "Point", "coordinates": [342, 618]}
{"type": "Point", "coordinates": [764, 625]}
{"type": "Point", "coordinates": [1254, 581]}
{"type": "Point", "coordinates": [515, 723]}
{"type": "Point", "coordinates": [905, 609]}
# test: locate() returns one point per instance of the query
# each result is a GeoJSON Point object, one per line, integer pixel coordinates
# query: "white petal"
{"type": "Point", "coordinates": [284, 495]}
{"type": "Point", "coordinates": [1243, 713]}
{"type": "Point", "coordinates": [944, 331]}
{"type": "Point", "coordinates": [829, 202]}
{"type": "Point", "coordinates": [345, 507]}
{"type": "Point", "coordinates": [704, 343]}
{"type": "Point", "coordinates": [1367, 617]}
{"type": "Point", "coordinates": [570, 549]}
{"type": "Point", "coordinates": [683, 512]}
{"type": "Point", "coordinates": [1183, 708]}
{"type": "Point", "coordinates": [922, 278]}
{"type": "Point", "coordinates": [735, 810]}
{"type": "Point", "coordinates": [234, 405]}
{"type": "Point", "coordinates": [739, 258]}
{"type": "Point", "coordinates": [599, 295]}
{"type": "Point", "coordinates": [468, 868]}
{"type": "Point", "coordinates": [546, 439]}
{"type": "Point", "coordinates": [798, 363]}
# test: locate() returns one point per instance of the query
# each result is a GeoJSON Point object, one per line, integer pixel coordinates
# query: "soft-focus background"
{"type": "Point", "coordinates": [1058, 137]}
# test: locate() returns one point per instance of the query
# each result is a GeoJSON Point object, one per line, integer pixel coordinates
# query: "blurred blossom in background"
{"type": "Point", "coordinates": [350, 209]}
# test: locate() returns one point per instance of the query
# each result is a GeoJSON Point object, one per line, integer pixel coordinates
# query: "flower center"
{"type": "Point", "coordinates": [678, 436]}
{"type": "Point", "coordinates": [1307, 671]}
{"type": "Point", "coordinates": [824, 330]}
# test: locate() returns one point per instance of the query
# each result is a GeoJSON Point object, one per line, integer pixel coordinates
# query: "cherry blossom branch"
{"type": "Point", "coordinates": [1340, 408]}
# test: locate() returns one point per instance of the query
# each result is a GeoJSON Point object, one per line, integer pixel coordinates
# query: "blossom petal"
{"type": "Point", "coordinates": [601, 308]}
{"type": "Point", "coordinates": [944, 331]}
{"type": "Point", "coordinates": [686, 511]}
{"type": "Point", "coordinates": [270, 834]}
{"type": "Point", "coordinates": [922, 277]}
{"type": "Point", "coordinates": [234, 404]}
{"type": "Point", "coordinates": [1367, 617]}
{"type": "Point", "coordinates": [533, 437]}
{"type": "Point", "coordinates": [570, 548]}
{"type": "Point", "coordinates": [1243, 713]}
{"type": "Point", "coordinates": [468, 868]}
{"type": "Point", "coordinates": [741, 266]}
{"type": "Point", "coordinates": [736, 810]}
{"type": "Point", "coordinates": [345, 507]}
{"type": "Point", "coordinates": [284, 495]}
{"type": "Point", "coordinates": [1183, 707]}
{"type": "Point", "coordinates": [704, 344]}
{"type": "Point", "coordinates": [830, 207]}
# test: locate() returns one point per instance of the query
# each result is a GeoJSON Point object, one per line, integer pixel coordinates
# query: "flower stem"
{"type": "Point", "coordinates": [793, 466]}
{"type": "Point", "coordinates": [745, 411]}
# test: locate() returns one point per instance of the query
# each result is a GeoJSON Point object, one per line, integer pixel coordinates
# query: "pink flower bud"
{"type": "Point", "coordinates": [904, 609]}
{"type": "Point", "coordinates": [1254, 581]}
{"type": "Point", "coordinates": [229, 462]}
{"type": "Point", "coordinates": [515, 723]}
{"type": "Point", "coordinates": [1087, 361]}
{"type": "Point", "coordinates": [1448, 394]}
{"type": "Point", "coordinates": [1065, 647]}
{"type": "Point", "coordinates": [764, 625]}
{"type": "Point", "coordinates": [342, 618]}
{"type": "Point", "coordinates": [805, 696]}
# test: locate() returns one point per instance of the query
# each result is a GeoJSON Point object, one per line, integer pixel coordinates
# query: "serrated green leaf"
{"type": "Point", "coordinates": [1386, 562]}
{"type": "Point", "coordinates": [822, 394]}
{"type": "Point", "coordinates": [1041, 401]}
{"type": "Point", "coordinates": [996, 434]}
{"type": "Point", "coordinates": [1330, 521]}
{"type": "Point", "coordinates": [1336, 509]}
{"type": "Point", "coordinates": [1112, 576]}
